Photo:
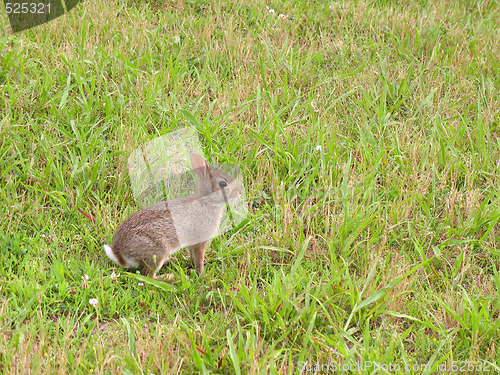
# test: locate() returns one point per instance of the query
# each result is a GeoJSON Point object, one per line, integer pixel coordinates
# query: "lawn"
{"type": "Point", "coordinates": [368, 138]}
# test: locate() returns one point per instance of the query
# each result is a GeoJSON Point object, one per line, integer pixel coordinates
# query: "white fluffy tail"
{"type": "Point", "coordinates": [111, 254]}
{"type": "Point", "coordinates": [127, 262]}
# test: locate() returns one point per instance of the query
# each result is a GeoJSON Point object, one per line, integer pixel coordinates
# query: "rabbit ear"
{"type": "Point", "coordinates": [199, 165]}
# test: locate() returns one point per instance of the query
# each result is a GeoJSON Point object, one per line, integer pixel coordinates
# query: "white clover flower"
{"type": "Point", "coordinates": [94, 302]}
{"type": "Point", "coordinates": [85, 283]}
{"type": "Point", "coordinates": [269, 10]}
{"type": "Point", "coordinates": [318, 148]}
{"type": "Point", "coordinates": [114, 276]}
{"type": "Point", "coordinates": [140, 284]}
{"type": "Point", "coordinates": [177, 39]}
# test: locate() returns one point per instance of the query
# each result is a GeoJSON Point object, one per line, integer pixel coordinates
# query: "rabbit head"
{"type": "Point", "coordinates": [213, 183]}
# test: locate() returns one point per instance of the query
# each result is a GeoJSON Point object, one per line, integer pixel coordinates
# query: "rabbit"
{"type": "Point", "coordinates": [148, 238]}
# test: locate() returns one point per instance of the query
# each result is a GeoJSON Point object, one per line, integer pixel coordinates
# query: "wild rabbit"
{"type": "Point", "coordinates": [150, 236]}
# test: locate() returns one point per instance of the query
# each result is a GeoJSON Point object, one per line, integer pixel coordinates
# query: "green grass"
{"type": "Point", "coordinates": [381, 245]}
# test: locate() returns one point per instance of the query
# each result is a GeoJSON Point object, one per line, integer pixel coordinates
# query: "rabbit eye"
{"type": "Point", "coordinates": [222, 184]}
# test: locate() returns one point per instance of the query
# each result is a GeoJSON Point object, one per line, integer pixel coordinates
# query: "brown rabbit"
{"type": "Point", "coordinates": [150, 236]}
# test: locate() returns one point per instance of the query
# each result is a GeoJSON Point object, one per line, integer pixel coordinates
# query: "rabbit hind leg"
{"type": "Point", "coordinates": [166, 260]}
{"type": "Point", "coordinates": [169, 249]}
{"type": "Point", "coordinates": [151, 266]}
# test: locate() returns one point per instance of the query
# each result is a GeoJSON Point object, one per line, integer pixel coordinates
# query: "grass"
{"type": "Point", "coordinates": [367, 133]}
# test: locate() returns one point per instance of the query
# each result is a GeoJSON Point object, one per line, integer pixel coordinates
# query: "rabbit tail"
{"type": "Point", "coordinates": [113, 256]}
